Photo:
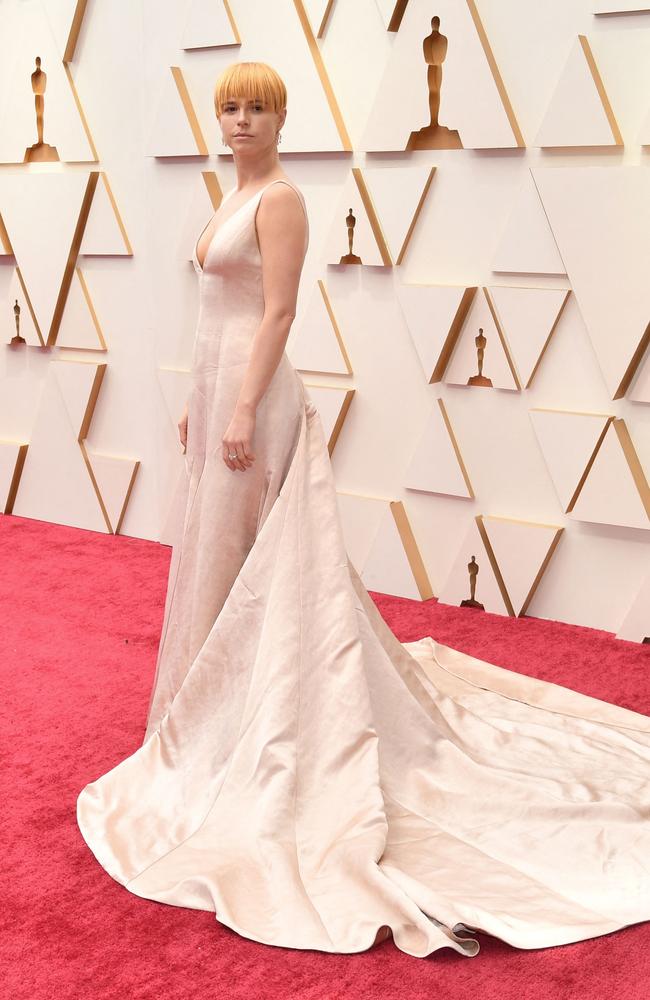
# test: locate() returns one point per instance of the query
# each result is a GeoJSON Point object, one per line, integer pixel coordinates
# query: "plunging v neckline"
{"type": "Point", "coordinates": [217, 231]}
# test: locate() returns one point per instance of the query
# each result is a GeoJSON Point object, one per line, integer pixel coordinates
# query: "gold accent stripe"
{"type": "Point", "coordinates": [411, 549]}
{"type": "Point", "coordinates": [453, 334]}
{"type": "Point", "coordinates": [604, 99]}
{"type": "Point", "coordinates": [71, 263]}
{"type": "Point", "coordinates": [635, 361]}
{"type": "Point", "coordinates": [548, 339]}
{"type": "Point", "coordinates": [338, 424]}
{"type": "Point", "coordinates": [452, 438]}
{"type": "Point", "coordinates": [633, 462]}
{"type": "Point", "coordinates": [542, 570]}
{"type": "Point", "coordinates": [489, 55]}
{"type": "Point", "coordinates": [184, 94]}
{"type": "Point", "coordinates": [75, 28]}
{"type": "Point", "coordinates": [416, 215]}
{"type": "Point", "coordinates": [587, 470]}
{"type": "Point", "coordinates": [15, 479]}
{"type": "Point", "coordinates": [322, 72]}
{"type": "Point", "coordinates": [335, 326]}
{"type": "Point", "coordinates": [504, 343]}
{"type": "Point", "coordinates": [373, 218]}
{"type": "Point", "coordinates": [495, 566]}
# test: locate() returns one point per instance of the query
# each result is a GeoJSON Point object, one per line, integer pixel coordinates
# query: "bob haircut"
{"type": "Point", "coordinates": [252, 81]}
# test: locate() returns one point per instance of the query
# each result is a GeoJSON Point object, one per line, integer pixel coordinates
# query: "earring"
{"type": "Point", "coordinates": [278, 138]}
{"type": "Point", "coordinates": [223, 141]}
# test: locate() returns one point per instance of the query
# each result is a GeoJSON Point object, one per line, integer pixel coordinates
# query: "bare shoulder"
{"type": "Point", "coordinates": [282, 199]}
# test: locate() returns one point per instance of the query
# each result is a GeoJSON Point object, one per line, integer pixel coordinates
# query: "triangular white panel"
{"type": "Point", "coordinates": [318, 12]}
{"type": "Point", "coordinates": [470, 101]}
{"type": "Point", "coordinates": [527, 244]}
{"type": "Point", "coordinates": [171, 133]}
{"type": "Point", "coordinates": [63, 129]}
{"type": "Point", "coordinates": [607, 255]}
{"type": "Point", "coordinates": [527, 317]}
{"type": "Point", "coordinates": [397, 193]}
{"type": "Point", "coordinates": [464, 361]}
{"type": "Point", "coordinates": [79, 327]}
{"type": "Point", "coordinates": [114, 477]}
{"type": "Point", "coordinates": [636, 625]}
{"type": "Point", "coordinates": [568, 442]}
{"type": "Point", "coordinates": [386, 568]}
{"type": "Point", "coordinates": [457, 585]}
{"type": "Point", "coordinates": [315, 346]}
{"type": "Point", "coordinates": [387, 9]}
{"type": "Point", "coordinates": [610, 494]}
{"type": "Point", "coordinates": [42, 249]}
{"type": "Point", "coordinates": [75, 380]}
{"type": "Point", "coordinates": [575, 115]}
{"type": "Point", "coordinates": [430, 312]}
{"type": "Point", "coordinates": [435, 466]}
{"type": "Point", "coordinates": [360, 518]}
{"type": "Point", "coordinates": [364, 241]}
{"type": "Point", "coordinates": [329, 401]}
{"type": "Point", "coordinates": [208, 25]}
{"type": "Point", "coordinates": [60, 15]}
{"type": "Point", "coordinates": [102, 233]}
{"type": "Point", "coordinates": [55, 485]}
{"type": "Point", "coordinates": [520, 549]}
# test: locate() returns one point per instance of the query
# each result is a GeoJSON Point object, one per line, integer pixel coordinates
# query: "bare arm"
{"type": "Point", "coordinates": [281, 230]}
{"type": "Point", "coordinates": [281, 237]}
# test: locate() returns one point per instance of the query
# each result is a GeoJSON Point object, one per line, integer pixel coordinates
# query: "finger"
{"type": "Point", "coordinates": [248, 455]}
{"type": "Point", "coordinates": [227, 459]}
{"type": "Point", "coordinates": [239, 461]}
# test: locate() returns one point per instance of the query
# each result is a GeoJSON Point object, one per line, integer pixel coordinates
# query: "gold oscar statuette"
{"type": "Point", "coordinates": [40, 152]}
{"type": "Point", "coordinates": [350, 258]}
{"type": "Point", "coordinates": [471, 602]}
{"type": "Point", "coordinates": [17, 339]}
{"type": "Point", "coordinates": [480, 379]}
{"type": "Point", "coordinates": [434, 135]}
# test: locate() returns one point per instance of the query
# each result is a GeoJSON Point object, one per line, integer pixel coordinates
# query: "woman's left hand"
{"type": "Point", "coordinates": [238, 440]}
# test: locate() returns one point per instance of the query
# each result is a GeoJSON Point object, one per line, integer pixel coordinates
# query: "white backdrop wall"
{"type": "Point", "coordinates": [147, 303]}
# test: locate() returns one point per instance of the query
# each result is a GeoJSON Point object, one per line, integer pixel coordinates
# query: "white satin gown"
{"type": "Point", "coordinates": [307, 777]}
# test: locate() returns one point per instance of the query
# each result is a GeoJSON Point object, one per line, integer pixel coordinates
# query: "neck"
{"type": "Point", "coordinates": [252, 173]}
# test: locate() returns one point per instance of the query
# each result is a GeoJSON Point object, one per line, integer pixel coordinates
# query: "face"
{"type": "Point", "coordinates": [250, 124]}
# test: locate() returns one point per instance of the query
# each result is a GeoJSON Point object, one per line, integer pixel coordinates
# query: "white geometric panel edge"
{"type": "Point", "coordinates": [527, 244]}
{"type": "Point", "coordinates": [579, 113]}
{"type": "Point", "coordinates": [437, 465]}
{"type": "Point", "coordinates": [209, 25]}
{"type": "Point", "coordinates": [616, 490]}
{"type": "Point", "coordinates": [636, 624]}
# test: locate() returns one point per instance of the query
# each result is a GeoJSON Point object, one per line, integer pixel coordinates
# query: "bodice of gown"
{"type": "Point", "coordinates": [231, 296]}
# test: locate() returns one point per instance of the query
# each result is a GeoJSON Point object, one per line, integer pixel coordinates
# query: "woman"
{"type": "Point", "coordinates": [311, 780]}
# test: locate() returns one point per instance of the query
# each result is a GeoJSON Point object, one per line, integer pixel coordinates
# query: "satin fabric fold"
{"type": "Point", "coordinates": [309, 778]}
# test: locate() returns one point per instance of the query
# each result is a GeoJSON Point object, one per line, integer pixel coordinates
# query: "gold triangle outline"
{"type": "Point", "coordinates": [567, 291]}
{"type": "Point", "coordinates": [411, 550]}
{"type": "Point", "coordinates": [322, 73]}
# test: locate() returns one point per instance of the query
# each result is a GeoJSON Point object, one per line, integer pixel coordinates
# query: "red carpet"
{"type": "Point", "coordinates": [81, 618]}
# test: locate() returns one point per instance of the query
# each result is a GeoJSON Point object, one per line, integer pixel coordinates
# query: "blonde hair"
{"type": "Point", "coordinates": [250, 80]}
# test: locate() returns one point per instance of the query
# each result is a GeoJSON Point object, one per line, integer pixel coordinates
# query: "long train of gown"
{"type": "Point", "coordinates": [305, 775]}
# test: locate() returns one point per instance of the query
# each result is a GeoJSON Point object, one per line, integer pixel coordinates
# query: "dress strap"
{"type": "Point", "coordinates": [281, 180]}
